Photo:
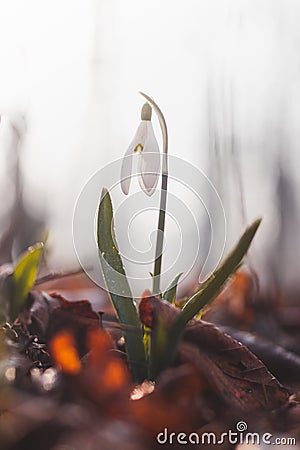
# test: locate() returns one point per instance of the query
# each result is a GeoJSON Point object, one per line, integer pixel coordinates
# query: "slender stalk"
{"type": "Point", "coordinates": [163, 198]}
{"type": "Point", "coordinates": [160, 235]}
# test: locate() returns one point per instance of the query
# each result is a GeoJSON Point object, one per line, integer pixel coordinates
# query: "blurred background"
{"type": "Point", "coordinates": [226, 73]}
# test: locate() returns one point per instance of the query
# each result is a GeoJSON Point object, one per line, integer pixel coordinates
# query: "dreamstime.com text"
{"type": "Point", "coordinates": [238, 436]}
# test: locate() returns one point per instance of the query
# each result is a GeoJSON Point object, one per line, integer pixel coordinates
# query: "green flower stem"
{"type": "Point", "coordinates": [163, 198]}
{"type": "Point", "coordinates": [160, 235]}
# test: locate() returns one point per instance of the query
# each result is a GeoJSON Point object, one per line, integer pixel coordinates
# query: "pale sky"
{"type": "Point", "coordinates": [74, 69]}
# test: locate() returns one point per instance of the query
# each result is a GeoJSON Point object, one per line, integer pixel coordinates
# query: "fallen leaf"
{"type": "Point", "coordinates": [64, 352]}
{"type": "Point", "coordinates": [50, 313]}
{"type": "Point", "coordinates": [237, 376]}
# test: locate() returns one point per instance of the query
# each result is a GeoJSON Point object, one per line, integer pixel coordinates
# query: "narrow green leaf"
{"type": "Point", "coordinates": [147, 341]}
{"type": "Point", "coordinates": [170, 293]}
{"type": "Point", "coordinates": [23, 279]}
{"type": "Point", "coordinates": [204, 296]}
{"type": "Point", "coordinates": [119, 289]}
{"type": "Point", "coordinates": [158, 344]}
{"type": "Point", "coordinates": [207, 294]}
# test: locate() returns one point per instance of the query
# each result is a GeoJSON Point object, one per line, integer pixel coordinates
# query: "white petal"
{"type": "Point", "coordinates": [139, 138]}
{"type": "Point", "coordinates": [126, 171]}
{"type": "Point", "coordinates": [149, 165]}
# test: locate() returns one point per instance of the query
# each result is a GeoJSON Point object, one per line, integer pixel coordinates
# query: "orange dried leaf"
{"type": "Point", "coordinates": [64, 352]}
{"type": "Point", "coordinates": [99, 342]}
{"type": "Point", "coordinates": [115, 375]}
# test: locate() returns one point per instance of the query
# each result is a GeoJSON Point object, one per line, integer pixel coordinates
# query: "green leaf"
{"type": "Point", "coordinates": [158, 344]}
{"type": "Point", "coordinates": [23, 279]}
{"type": "Point", "coordinates": [147, 341]}
{"type": "Point", "coordinates": [204, 296]}
{"type": "Point", "coordinates": [207, 294]}
{"type": "Point", "coordinates": [170, 293]}
{"type": "Point", "coordinates": [119, 289]}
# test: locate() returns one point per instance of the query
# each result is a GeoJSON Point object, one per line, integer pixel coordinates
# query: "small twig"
{"type": "Point", "coordinates": [57, 275]}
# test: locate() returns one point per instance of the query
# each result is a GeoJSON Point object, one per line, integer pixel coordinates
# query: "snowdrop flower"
{"type": "Point", "coordinates": [145, 144]}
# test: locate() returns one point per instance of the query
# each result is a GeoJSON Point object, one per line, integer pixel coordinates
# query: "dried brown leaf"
{"type": "Point", "coordinates": [237, 376]}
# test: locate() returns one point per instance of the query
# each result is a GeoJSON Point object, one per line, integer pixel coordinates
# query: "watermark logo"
{"type": "Point", "coordinates": [195, 231]}
{"type": "Point", "coordinates": [240, 435]}
{"type": "Point", "coordinates": [241, 426]}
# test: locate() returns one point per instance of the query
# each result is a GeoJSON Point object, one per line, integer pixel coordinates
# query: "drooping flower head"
{"type": "Point", "coordinates": [145, 144]}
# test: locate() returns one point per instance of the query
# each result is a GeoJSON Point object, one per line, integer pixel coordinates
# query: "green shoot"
{"type": "Point", "coordinates": [119, 289]}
